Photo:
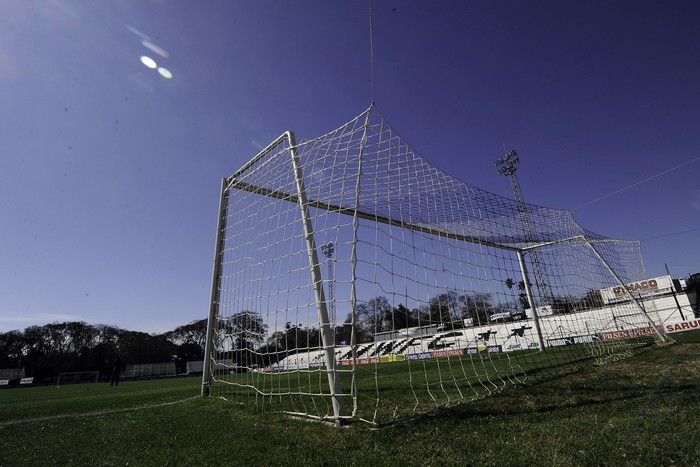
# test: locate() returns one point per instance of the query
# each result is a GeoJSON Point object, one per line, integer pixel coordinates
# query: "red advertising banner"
{"type": "Point", "coordinates": [448, 353]}
{"type": "Point", "coordinates": [614, 335]}
{"type": "Point", "coordinates": [683, 326]}
{"type": "Point", "coordinates": [643, 332]}
{"type": "Point", "coordinates": [627, 334]}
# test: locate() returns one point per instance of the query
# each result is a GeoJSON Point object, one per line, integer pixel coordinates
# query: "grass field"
{"type": "Point", "coordinates": [639, 411]}
{"type": "Point", "coordinates": [391, 391]}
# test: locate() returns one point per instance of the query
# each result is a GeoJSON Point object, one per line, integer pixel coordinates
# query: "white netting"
{"type": "Point", "coordinates": [417, 277]}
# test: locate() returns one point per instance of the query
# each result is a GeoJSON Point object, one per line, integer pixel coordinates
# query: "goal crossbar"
{"type": "Point", "coordinates": [234, 184]}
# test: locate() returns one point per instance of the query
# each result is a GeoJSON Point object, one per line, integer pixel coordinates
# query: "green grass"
{"type": "Point", "coordinates": [638, 411]}
{"type": "Point", "coordinates": [388, 392]}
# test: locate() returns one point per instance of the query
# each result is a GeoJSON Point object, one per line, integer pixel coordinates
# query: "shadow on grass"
{"type": "Point", "coordinates": [617, 387]}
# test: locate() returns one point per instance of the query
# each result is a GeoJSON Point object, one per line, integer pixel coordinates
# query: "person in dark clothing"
{"type": "Point", "coordinates": [116, 371]}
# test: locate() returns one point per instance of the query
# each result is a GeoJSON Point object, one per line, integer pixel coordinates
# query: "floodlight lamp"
{"type": "Point", "coordinates": [328, 249]}
{"type": "Point", "coordinates": [509, 164]}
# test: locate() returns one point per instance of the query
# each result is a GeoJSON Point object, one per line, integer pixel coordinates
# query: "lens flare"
{"type": "Point", "coordinates": [154, 48]}
{"type": "Point", "coordinates": [165, 73]}
{"type": "Point", "coordinates": [149, 62]}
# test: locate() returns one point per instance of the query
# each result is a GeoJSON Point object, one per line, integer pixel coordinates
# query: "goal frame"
{"type": "Point", "coordinates": [314, 268]}
{"type": "Point", "coordinates": [304, 203]}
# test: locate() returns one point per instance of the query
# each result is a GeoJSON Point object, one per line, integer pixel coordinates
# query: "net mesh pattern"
{"type": "Point", "coordinates": [358, 281]}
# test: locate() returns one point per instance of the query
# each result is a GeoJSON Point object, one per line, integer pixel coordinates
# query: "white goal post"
{"type": "Point", "coordinates": [354, 280]}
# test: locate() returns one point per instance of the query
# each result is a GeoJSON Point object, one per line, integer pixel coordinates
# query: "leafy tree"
{"type": "Point", "coordinates": [82, 340]}
{"type": "Point", "coordinates": [242, 333]}
{"type": "Point", "coordinates": [194, 333]}
{"type": "Point", "coordinates": [59, 340]}
{"type": "Point", "coordinates": [372, 317]}
{"type": "Point", "coordinates": [44, 351]}
{"type": "Point", "coordinates": [12, 349]}
{"type": "Point", "coordinates": [38, 351]}
{"type": "Point", "coordinates": [295, 336]}
{"type": "Point", "coordinates": [141, 347]}
{"type": "Point", "coordinates": [190, 341]}
{"type": "Point", "coordinates": [244, 330]}
{"type": "Point", "coordinates": [404, 318]}
{"type": "Point", "coordinates": [277, 341]}
{"type": "Point", "coordinates": [343, 332]}
{"type": "Point", "coordinates": [522, 293]}
{"type": "Point", "coordinates": [477, 307]}
{"type": "Point", "coordinates": [445, 308]}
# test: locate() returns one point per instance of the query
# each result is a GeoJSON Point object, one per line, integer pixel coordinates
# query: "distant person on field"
{"type": "Point", "coordinates": [116, 371]}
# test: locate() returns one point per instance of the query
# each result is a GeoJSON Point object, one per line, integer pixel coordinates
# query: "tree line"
{"type": "Point", "coordinates": [45, 351]}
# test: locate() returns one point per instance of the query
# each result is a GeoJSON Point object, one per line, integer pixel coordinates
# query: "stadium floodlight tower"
{"type": "Point", "coordinates": [508, 167]}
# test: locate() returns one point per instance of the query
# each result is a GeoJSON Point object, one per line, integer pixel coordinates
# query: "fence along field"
{"type": "Point", "coordinates": [354, 280]}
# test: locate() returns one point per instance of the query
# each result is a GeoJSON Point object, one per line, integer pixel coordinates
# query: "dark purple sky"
{"type": "Point", "coordinates": [110, 172]}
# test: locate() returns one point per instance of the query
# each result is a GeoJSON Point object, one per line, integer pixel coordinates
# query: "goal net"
{"type": "Point", "coordinates": [354, 280]}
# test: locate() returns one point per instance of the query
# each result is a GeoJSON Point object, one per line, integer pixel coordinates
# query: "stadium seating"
{"type": "Point", "coordinates": [150, 370]}
{"type": "Point", "coordinates": [11, 373]}
{"type": "Point", "coordinates": [197, 366]}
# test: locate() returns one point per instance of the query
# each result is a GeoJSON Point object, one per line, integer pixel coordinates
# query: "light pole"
{"type": "Point", "coordinates": [508, 167]}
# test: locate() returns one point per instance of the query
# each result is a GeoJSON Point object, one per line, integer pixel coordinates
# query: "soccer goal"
{"type": "Point", "coordinates": [78, 377]}
{"type": "Point", "coordinates": [354, 280]}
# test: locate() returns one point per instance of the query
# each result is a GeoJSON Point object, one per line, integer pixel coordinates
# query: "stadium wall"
{"type": "Point", "coordinates": [617, 324]}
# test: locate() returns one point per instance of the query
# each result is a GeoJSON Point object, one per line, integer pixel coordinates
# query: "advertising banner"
{"type": "Point", "coordinates": [448, 353]}
{"type": "Point", "coordinates": [614, 335]}
{"type": "Point", "coordinates": [571, 340]}
{"type": "Point", "coordinates": [500, 317]}
{"type": "Point", "coordinates": [648, 287]}
{"type": "Point", "coordinates": [367, 361]}
{"type": "Point", "coordinates": [643, 332]}
{"type": "Point", "coordinates": [684, 325]}
{"type": "Point", "coordinates": [544, 310]}
{"type": "Point", "coordinates": [627, 334]}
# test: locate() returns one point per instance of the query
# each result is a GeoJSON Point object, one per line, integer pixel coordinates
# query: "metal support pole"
{"type": "Point", "coordinates": [673, 291]}
{"type": "Point", "coordinates": [508, 166]}
{"type": "Point", "coordinates": [207, 373]}
{"type": "Point", "coordinates": [624, 287]}
{"type": "Point", "coordinates": [317, 280]}
{"type": "Point", "coordinates": [530, 299]}
{"type": "Point", "coordinates": [328, 251]}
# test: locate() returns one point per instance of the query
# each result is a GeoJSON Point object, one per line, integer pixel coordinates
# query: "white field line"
{"type": "Point", "coordinates": [91, 414]}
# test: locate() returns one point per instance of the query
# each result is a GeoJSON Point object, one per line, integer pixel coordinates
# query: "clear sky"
{"type": "Point", "coordinates": [110, 169]}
